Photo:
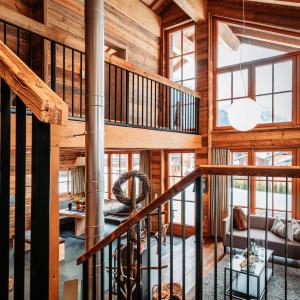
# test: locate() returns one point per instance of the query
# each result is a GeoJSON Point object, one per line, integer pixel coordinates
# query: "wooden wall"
{"type": "Point", "coordinates": [142, 46]}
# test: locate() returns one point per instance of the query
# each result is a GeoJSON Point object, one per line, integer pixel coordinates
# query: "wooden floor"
{"type": "Point", "coordinates": [190, 261]}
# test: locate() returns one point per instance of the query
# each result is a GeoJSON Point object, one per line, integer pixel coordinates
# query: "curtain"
{"type": "Point", "coordinates": [145, 168]}
{"type": "Point", "coordinates": [219, 189]}
{"type": "Point", "coordinates": [78, 180]}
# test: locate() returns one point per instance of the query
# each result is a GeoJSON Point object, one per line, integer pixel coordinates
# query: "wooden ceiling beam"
{"type": "Point", "coordinates": [229, 37]}
{"type": "Point", "coordinates": [139, 13]}
{"type": "Point", "coordinates": [196, 9]}
{"type": "Point", "coordinates": [294, 3]}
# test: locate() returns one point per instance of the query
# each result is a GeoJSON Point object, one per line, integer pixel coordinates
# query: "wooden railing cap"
{"type": "Point", "coordinates": [291, 172]}
{"type": "Point", "coordinates": [45, 104]}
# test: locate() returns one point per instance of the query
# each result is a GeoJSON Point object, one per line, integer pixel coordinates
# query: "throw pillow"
{"type": "Point", "coordinates": [279, 228]}
{"type": "Point", "coordinates": [239, 219]}
{"type": "Point", "coordinates": [296, 229]}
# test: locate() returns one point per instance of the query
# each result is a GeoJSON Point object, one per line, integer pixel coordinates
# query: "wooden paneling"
{"type": "Point", "coordinates": [142, 45]}
{"type": "Point", "coordinates": [196, 9]}
{"type": "Point", "coordinates": [173, 16]}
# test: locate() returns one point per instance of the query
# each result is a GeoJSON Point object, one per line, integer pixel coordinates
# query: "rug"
{"type": "Point", "coordinates": [275, 287]}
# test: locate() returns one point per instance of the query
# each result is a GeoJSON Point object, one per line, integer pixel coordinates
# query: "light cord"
{"type": "Point", "coordinates": [242, 47]}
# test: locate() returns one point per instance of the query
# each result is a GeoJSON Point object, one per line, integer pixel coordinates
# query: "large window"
{"type": "Point", "coordinates": [116, 164]}
{"type": "Point", "coordinates": [276, 185]}
{"type": "Point", "coordinates": [181, 56]}
{"type": "Point", "coordinates": [179, 165]}
{"type": "Point", "coordinates": [65, 182]}
{"type": "Point", "coordinates": [248, 67]}
{"type": "Point", "coordinates": [257, 185]}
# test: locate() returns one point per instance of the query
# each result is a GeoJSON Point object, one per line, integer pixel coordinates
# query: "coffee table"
{"type": "Point", "coordinates": [256, 276]}
{"type": "Point", "coordinates": [79, 218]}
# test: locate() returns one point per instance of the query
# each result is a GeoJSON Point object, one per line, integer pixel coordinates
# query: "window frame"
{"type": "Point", "coordinates": [109, 169]}
{"type": "Point", "coordinates": [167, 55]}
{"type": "Point", "coordinates": [251, 162]}
{"type": "Point", "coordinates": [294, 56]}
{"type": "Point", "coordinates": [178, 228]}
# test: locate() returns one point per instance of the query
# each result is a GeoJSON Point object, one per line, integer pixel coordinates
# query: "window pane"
{"type": "Point", "coordinates": [240, 192]}
{"type": "Point", "coordinates": [188, 39]}
{"type": "Point", "coordinates": [240, 83]}
{"type": "Point", "coordinates": [188, 163]}
{"type": "Point", "coordinates": [280, 196]}
{"type": "Point", "coordinates": [175, 43]}
{"type": "Point", "coordinates": [265, 103]}
{"type": "Point", "coordinates": [173, 180]}
{"type": "Point", "coordinates": [124, 163]}
{"type": "Point", "coordinates": [283, 76]}
{"type": "Point", "coordinates": [224, 86]}
{"type": "Point", "coordinates": [177, 211]}
{"type": "Point", "coordinates": [188, 62]}
{"type": "Point", "coordinates": [263, 79]}
{"type": "Point", "coordinates": [136, 161]}
{"type": "Point", "coordinates": [175, 69]}
{"type": "Point", "coordinates": [115, 161]}
{"type": "Point", "coordinates": [261, 196]}
{"type": "Point", "coordinates": [175, 164]}
{"type": "Point", "coordinates": [189, 84]}
{"type": "Point", "coordinates": [240, 158]}
{"type": "Point", "coordinates": [263, 158]}
{"type": "Point", "coordinates": [222, 113]}
{"type": "Point", "coordinates": [283, 158]}
{"type": "Point", "coordinates": [283, 107]}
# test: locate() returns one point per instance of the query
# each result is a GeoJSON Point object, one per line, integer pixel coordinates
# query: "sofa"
{"type": "Point", "coordinates": [257, 232]}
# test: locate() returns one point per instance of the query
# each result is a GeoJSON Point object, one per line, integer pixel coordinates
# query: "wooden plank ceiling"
{"type": "Point", "coordinates": [158, 6]}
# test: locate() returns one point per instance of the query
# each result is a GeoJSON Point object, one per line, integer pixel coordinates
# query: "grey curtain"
{"type": "Point", "coordinates": [145, 168]}
{"type": "Point", "coordinates": [219, 192]}
{"type": "Point", "coordinates": [78, 180]}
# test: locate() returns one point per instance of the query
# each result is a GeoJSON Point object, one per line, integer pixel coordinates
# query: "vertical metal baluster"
{"type": "Point", "coordinates": [248, 237]}
{"type": "Point", "coordinates": [216, 238]}
{"type": "Point", "coordinates": [151, 109]}
{"type": "Point", "coordinates": [199, 238]}
{"type": "Point", "coordinates": [185, 113]}
{"type": "Point", "coordinates": [110, 271]}
{"type": "Point", "coordinates": [94, 262]}
{"type": "Point", "coordinates": [147, 100]}
{"type": "Point", "coordinates": [266, 237]}
{"type": "Point", "coordinates": [73, 103]}
{"type": "Point", "coordinates": [40, 210]}
{"type": "Point", "coordinates": [128, 265]}
{"type": "Point", "coordinates": [19, 255]}
{"type": "Point", "coordinates": [127, 96]}
{"type": "Point", "coordinates": [109, 89]}
{"type": "Point", "coordinates": [197, 118]}
{"type": "Point", "coordinates": [102, 274]}
{"type": "Point", "coordinates": [80, 108]}
{"type": "Point", "coordinates": [85, 282]}
{"type": "Point", "coordinates": [53, 66]}
{"type": "Point", "coordinates": [183, 196]}
{"type": "Point", "coordinates": [286, 240]}
{"type": "Point", "coordinates": [138, 100]}
{"type": "Point", "coordinates": [64, 73]}
{"type": "Point", "coordinates": [138, 261]}
{"type": "Point", "coordinates": [121, 100]}
{"type": "Point", "coordinates": [171, 248]}
{"type": "Point", "coordinates": [231, 234]}
{"type": "Point", "coordinates": [190, 113]}
{"type": "Point", "coordinates": [163, 106]}
{"type": "Point", "coordinates": [143, 101]}
{"type": "Point", "coordinates": [5, 187]}
{"type": "Point", "coordinates": [116, 94]}
{"type": "Point", "coordinates": [155, 103]}
{"type": "Point", "coordinates": [119, 269]}
{"type": "Point", "coordinates": [133, 99]}
{"type": "Point", "coordinates": [148, 221]}
{"type": "Point", "coordinates": [4, 29]}
{"type": "Point", "coordinates": [159, 252]}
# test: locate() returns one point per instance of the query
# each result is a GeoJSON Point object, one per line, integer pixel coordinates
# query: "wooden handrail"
{"type": "Point", "coordinates": [71, 41]}
{"type": "Point", "coordinates": [45, 104]}
{"type": "Point", "coordinates": [291, 172]}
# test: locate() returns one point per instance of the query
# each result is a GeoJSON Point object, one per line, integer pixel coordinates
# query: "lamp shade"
{"type": "Point", "coordinates": [244, 114]}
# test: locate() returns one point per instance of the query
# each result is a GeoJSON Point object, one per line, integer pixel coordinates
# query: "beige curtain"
{"type": "Point", "coordinates": [219, 191]}
{"type": "Point", "coordinates": [78, 180]}
{"type": "Point", "coordinates": [145, 168]}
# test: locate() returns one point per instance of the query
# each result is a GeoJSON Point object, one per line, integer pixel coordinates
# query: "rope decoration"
{"type": "Point", "coordinates": [119, 193]}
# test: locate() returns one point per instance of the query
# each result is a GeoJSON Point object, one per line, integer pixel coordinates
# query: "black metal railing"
{"type": "Point", "coordinates": [36, 285]}
{"type": "Point", "coordinates": [131, 99]}
{"type": "Point", "coordinates": [139, 260]}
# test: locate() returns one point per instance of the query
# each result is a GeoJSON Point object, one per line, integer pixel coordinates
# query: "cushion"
{"type": "Point", "coordinates": [296, 229]}
{"type": "Point", "coordinates": [239, 219]}
{"type": "Point", "coordinates": [279, 228]}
